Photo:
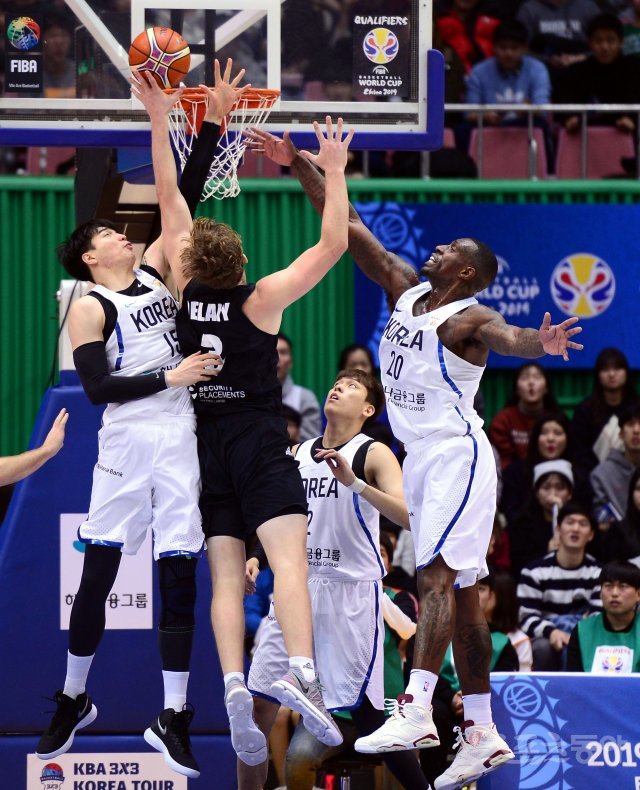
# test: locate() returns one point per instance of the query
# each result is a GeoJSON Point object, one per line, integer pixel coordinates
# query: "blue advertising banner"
{"type": "Point", "coordinates": [570, 260]}
{"type": "Point", "coordinates": [568, 731]}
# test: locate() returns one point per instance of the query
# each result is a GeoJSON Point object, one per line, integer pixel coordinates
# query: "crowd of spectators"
{"type": "Point", "coordinates": [564, 560]}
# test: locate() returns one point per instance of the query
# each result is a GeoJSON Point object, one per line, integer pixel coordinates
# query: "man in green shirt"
{"type": "Point", "coordinates": [609, 643]}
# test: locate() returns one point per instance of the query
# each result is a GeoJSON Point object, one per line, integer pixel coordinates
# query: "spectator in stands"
{"type": "Point", "coordinates": [609, 643]}
{"type": "Point", "coordinates": [401, 573]}
{"type": "Point", "coordinates": [611, 478]}
{"type": "Point", "coordinates": [58, 69]}
{"type": "Point", "coordinates": [558, 30]}
{"type": "Point", "coordinates": [532, 532]}
{"type": "Point", "coordinates": [531, 398]}
{"type": "Point", "coordinates": [294, 421]}
{"type": "Point", "coordinates": [499, 602]}
{"type": "Point", "coordinates": [622, 540]}
{"type": "Point", "coordinates": [607, 76]}
{"type": "Point", "coordinates": [468, 30]}
{"type": "Point", "coordinates": [359, 357]}
{"type": "Point", "coordinates": [558, 590]}
{"type": "Point", "coordinates": [631, 29]}
{"type": "Point", "coordinates": [299, 398]}
{"type": "Point", "coordinates": [594, 428]}
{"type": "Point", "coordinates": [549, 440]}
{"type": "Point", "coordinates": [17, 467]}
{"type": "Point", "coordinates": [510, 77]}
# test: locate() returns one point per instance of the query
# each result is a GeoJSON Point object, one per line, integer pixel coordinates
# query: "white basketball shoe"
{"type": "Point", "coordinates": [410, 726]}
{"type": "Point", "coordinates": [480, 751]}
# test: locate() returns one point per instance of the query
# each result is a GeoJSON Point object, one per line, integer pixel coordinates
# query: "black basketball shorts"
{"type": "Point", "coordinates": [248, 473]}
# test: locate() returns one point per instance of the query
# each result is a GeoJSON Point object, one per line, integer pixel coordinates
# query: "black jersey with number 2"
{"type": "Point", "coordinates": [211, 319]}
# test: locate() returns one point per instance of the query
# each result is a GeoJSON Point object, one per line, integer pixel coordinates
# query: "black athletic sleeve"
{"type": "Point", "coordinates": [91, 363]}
{"type": "Point", "coordinates": [196, 168]}
{"type": "Point", "coordinates": [257, 552]}
{"type": "Point", "coordinates": [574, 654]}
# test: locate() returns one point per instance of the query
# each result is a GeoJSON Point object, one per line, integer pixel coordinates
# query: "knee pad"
{"type": "Point", "coordinates": [177, 592]}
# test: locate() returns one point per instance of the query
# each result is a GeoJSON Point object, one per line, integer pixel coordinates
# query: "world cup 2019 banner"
{"type": "Point", "coordinates": [568, 731]}
{"type": "Point", "coordinates": [570, 260]}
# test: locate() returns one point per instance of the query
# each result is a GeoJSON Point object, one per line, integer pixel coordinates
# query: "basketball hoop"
{"type": "Point", "coordinates": [185, 120]}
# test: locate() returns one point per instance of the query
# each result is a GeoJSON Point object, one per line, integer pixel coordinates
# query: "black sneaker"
{"type": "Point", "coordinates": [169, 734]}
{"type": "Point", "coordinates": [71, 715]}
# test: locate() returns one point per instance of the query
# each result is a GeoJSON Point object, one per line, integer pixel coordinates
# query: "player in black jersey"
{"type": "Point", "coordinates": [250, 480]}
{"type": "Point", "coordinates": [123, 336]}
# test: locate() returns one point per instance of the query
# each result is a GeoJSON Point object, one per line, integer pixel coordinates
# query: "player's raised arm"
{"type": "Point", "coordinates": [386, 268]}
{"type": "Point", "coordinates": [494, 332]}
{"type": "Point", "coordinates": [277, 291]}
{"type": "Point", "coordinates": [175, 212]}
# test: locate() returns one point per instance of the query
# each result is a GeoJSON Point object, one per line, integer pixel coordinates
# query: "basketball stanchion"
{"type": "Point", "coordinates": [185, 119]}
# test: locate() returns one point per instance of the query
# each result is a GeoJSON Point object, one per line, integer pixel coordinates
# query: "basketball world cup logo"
{"type": "Point", "coordinates": [583, 284]}
{"type": "Point", "coordinates": [23, 33]}
{"type": "Point", "coordinates": [380, 45]}
{"type": "Point", "coordinates": [51, 777]}
{"type": "Point", "coordinates": [612, 664]}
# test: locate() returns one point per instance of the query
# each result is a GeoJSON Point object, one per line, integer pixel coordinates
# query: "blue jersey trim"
{"type": "Point", "coordinates": [120, 346]}
{"type": "Point", "coordinates": [367, 678]}
{"type": "Point", "coordinates": [181, 553]}
{"type": "Point", "coordinates": [452, 384]}
{"type": "Point", "coordinates": [465, 498]}
{"type": "Point", "coordinates": [376, 551]}
{"type": "Point", "coordinates": [97, 542]}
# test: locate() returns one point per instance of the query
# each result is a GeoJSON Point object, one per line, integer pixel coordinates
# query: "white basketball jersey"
{"type": "Point", "coordinates": [144, 341]}
{"type": "Point", "coordinates": [429, 390]}
{"type": "Point", "coordinates": [343, 537]}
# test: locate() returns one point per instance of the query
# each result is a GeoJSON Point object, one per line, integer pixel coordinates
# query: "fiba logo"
{"type": "Point", "coordinates": [380, 45]}
{"type": "Point", "coordinates": [381, 71]}
{"type": "Point", "coordinates": [23, 33]}
{"type": "Point", "coordinates": [583, 284]}
{"type": "Point", "coordinates": [51, 777]}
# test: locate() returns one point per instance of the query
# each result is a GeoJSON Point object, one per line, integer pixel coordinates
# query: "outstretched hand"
{"type": "Point", "coordinates": [145, 88]}
{"type": "Point", "coordinates": [281, 151]}
{"type": "Point", "coordinates": [333, 149]}
{"type": "Point", "coordinates": [225, 92]}
{"type": "Point", "coordinates": [555, 339]}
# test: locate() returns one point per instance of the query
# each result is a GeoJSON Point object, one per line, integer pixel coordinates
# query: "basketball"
{"type": "Point", "coordinates": [163, 52]}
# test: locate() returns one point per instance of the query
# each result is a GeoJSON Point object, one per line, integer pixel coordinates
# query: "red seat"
{"type": "Point", "coordinates": [46, 160]}
{"type": "Point", "coordinates": [448, 139]}
{"type": "Point", "coordinates": [505, 152]}
{"type": "Point", "coordinates": [606, 145]}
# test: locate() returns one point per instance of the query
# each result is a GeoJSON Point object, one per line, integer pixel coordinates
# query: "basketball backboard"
{"type": "Point", "coordinates": [64, 81]}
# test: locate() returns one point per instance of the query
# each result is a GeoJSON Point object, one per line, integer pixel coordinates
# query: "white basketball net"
{"type": "Point", "coordinates": [252, 109]}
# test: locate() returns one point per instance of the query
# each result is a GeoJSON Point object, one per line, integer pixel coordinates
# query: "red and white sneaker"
{"type": "Point", "coordinates": [410, 726]}
{"type": "Point", "coordinates": [480, 751]}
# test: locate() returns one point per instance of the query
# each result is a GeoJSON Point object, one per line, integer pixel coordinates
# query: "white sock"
{"type": "Point", "coordinates": [477, 708]}
{"type": "Point", "coordinates": [305, 665]}
{"type": "Point", "coordinates": [421, 686]}
{"type": "Point", "coordinates": [77, 673]}
{"type": "Point", "coordinates": [175, 689]}
{"type": "Point", "coordinates": [233, 676]}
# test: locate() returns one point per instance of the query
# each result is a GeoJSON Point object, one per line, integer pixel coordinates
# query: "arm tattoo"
{"type": "Point", "coordinates": [388, 270]}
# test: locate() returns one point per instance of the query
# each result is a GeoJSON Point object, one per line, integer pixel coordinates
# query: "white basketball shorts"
{"type": "Point", "coordinates": [147, 475]}
{"type": "Point", "coordinates": [450, 490]}
{"type": "Point", "coordinates": [348, 637]}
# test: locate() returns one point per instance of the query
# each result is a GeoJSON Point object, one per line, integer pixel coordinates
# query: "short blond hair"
{"type": "Point", "coordinates": [214, 255]}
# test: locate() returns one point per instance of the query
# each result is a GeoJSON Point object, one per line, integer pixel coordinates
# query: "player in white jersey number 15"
{"type": "Point", "coordinates": [432, 355]}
